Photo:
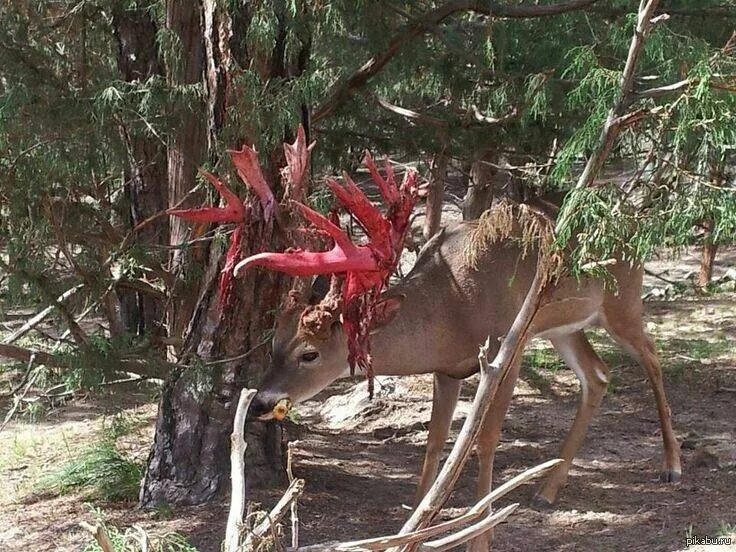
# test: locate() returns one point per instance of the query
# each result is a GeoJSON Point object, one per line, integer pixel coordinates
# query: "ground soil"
{"type": "Point", "coordinates": [361, 466]}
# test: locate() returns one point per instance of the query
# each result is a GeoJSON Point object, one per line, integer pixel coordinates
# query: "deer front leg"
{"type": "Point", "coordinates": [444, 400]}
{"type": "Point", "coordinates": [578, 354]}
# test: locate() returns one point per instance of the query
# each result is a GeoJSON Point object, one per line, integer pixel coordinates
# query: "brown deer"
{"type": "Point", "coordinates": [433, 321]}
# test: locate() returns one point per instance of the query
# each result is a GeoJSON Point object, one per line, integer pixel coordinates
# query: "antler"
{"type": "Point", "coordinates": [235, 211]}
{"type": "Point", "coordinates": [367, 267]}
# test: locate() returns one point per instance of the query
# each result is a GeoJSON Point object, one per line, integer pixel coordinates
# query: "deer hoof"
{"type": "Point", "coordinates": [540, 502]}
{"type": "Point", "coordinates": [670, 476]}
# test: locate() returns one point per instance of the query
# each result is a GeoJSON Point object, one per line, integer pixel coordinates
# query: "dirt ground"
{"type": "Point", "coordinates": [360, 459]}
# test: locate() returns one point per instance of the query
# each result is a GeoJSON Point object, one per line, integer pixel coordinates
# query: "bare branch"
{"type": "Point", "coordinates": [345, 89]}
{"type": "Point", "coordinates": [38, 318]}
{"type": "Point", "coordinates": [279, 511]}
{"type": "Point", "coordinates": [473, 514]}
{"type": "Point", "coordinates": [475, 530]}
{"type": "Point", "coordinates": [237, 472]}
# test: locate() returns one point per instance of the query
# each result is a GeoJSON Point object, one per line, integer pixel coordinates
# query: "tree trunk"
{"type": "Point", "coordinates": [187, 150]}
{"type": "Point", "coordinates": [146, 173]}
{"type": "Point", "coordinates": [707, 257]}
{"type": "Point", "coordinates": [189, 460]}
{"type": "Point", "coordinates": [436, 195]}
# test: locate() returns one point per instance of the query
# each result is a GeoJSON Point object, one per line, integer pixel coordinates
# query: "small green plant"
{"type": "Point", "coordinates": [100, 469]}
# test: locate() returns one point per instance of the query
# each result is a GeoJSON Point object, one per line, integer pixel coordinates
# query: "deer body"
{"type": "Point", "coordinates": [440, 313]}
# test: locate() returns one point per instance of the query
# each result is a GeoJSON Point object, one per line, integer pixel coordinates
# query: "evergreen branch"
{"type": "Point", "coordinates": [611, 127]}
{"type": "Point", "coordinates": [344, 90]}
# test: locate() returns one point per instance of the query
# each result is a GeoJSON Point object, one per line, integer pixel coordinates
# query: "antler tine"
{"type": "Point", "coordinates": [343, 257]}
{"type": "Point", "coordinates": [249, 170]}
{"type": "Point", "coordinates": [387, 186]}
{"type": "Point", "coordinates": [297, 161]}
{"type": "Point", "coordinates": [234, 210]}
{"type": "Point", "coordinates": [354, 200]}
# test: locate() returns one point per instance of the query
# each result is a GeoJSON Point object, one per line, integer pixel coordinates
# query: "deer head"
{"type": "Point", "coordinates": [317, 340]}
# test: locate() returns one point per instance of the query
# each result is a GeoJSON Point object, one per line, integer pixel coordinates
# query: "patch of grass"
{"type": "Point", "coordinates": [726, 529]}
{"type": "Point", "coordinates": [101, 470]}
{"type": "Point", "coordinates": [131, 540]}
{"type": "Point", "coordinates": [543, 359]}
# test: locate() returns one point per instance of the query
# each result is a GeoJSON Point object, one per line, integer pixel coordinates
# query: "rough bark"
{"type": "Point", "coordinates": [146, 172]}
{"type": "Point", "coordinates": [187, 148]}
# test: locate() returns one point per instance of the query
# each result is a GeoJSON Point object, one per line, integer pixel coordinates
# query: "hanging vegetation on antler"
{"type": "Point", "coordinates": [363, 270]}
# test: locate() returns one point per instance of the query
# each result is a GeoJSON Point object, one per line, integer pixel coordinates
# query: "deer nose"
{"type": "Point", "coordinates": [263, 404]}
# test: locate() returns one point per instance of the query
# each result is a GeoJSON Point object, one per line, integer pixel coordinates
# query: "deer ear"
{"type": "Point", "coordinates": [385, 310]}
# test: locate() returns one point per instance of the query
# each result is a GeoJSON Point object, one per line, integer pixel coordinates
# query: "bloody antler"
{"type": "Point", "coordinates": [366, 267]}
{"type": "Point", "coordinates": [235, 211]}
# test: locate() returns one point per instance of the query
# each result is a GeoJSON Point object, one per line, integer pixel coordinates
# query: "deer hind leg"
{"type": "Point", "coordinates": [631, 336]}
{"type": "Point", "coordinates": [578, 354]}
{"type": "Point", "coordinates": [444, 400]}
{"type": "Point", "coordinates": [490, 433]}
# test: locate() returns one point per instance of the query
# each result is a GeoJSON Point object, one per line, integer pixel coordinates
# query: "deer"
{"type": "Point", "coordinates": [434, 319]}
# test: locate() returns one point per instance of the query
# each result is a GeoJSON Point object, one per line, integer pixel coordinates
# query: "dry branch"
{"type": "Point", "coordinates": [237, 472]}
{"type": "Point", "coordinates": [294, 503]}
{"type": "Point", "coordinates": [38, 318]}
{"type": "Point", "coordinates": [475, 530]}
{"type": "Point", "coordinates": [472, 515]}
{"type": "Point", "coordinates": [279, 511]}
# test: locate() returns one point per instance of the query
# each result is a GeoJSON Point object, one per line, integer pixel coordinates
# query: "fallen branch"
{"type": "Point", "coordinates": [472, 515]}
{"type": "Point", "coordinates": [475, 530]}
{"type": "Point", "coordinates": [279, 511]}
{"type": "Point", "coordinates": [237, 472]}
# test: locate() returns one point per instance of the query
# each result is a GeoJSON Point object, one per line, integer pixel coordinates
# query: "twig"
{"type": "Point", "coordinates": [294, 504]}
{"type": "Point", "coordinates": [100, 535]}
{"type": "Point", "coordinates": [23, 380]}
{"type": "Point", "coordinates": [278, 512]}
{"type": "Point", "coordinates": [18, 399]}
{"type": "Point", "coordinates": [475, 530]}
{"type": "Point", "coordinates": [237, 472]}
{"type": "Point", "coordinates": [659, 276]}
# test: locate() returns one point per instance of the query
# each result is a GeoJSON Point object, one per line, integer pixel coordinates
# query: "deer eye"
{"type": "Point", "coordinates": [310, 356]}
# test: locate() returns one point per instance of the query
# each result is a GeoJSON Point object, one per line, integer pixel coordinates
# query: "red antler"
{"type": "Point", "coordinates": [366, 267]}
{"type": "Point", "coordinates": [249, 171]}
{"type": "Point", "coordinates": [235, 211]}
{"type": "Point", "coordinates": [375, 260]}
